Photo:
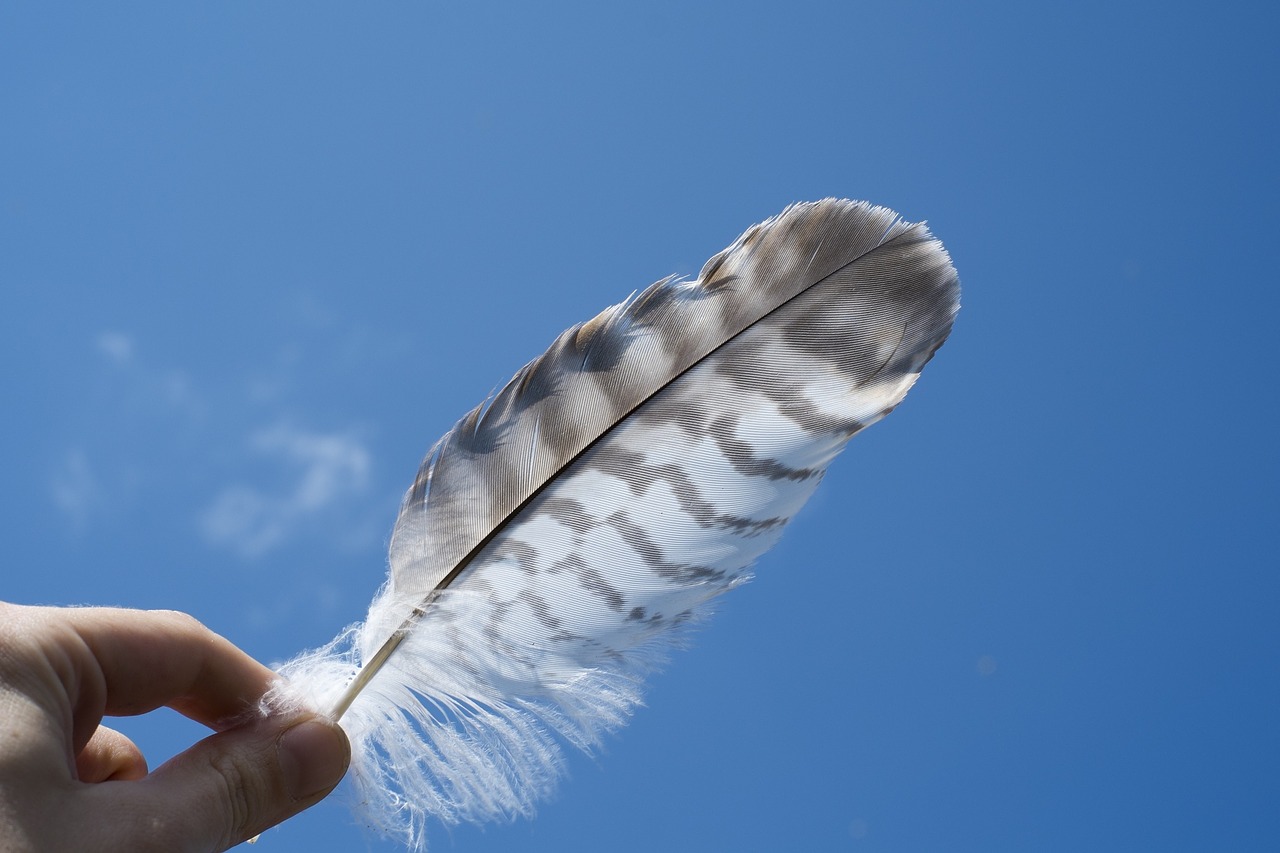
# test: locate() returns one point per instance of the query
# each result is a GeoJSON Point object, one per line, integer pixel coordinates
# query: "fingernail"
{"type": "Point", "coordinates": [313, 757]}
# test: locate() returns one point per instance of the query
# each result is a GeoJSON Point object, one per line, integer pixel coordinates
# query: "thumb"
{"type": "Point", "coordinates": [233, 785]}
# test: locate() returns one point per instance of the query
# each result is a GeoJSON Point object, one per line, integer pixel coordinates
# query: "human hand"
{"type": "Point", "coordinates": [67, 783]}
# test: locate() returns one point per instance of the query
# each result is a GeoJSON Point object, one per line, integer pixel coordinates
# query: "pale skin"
{"type": "Point", "coordinates": [67, 782]}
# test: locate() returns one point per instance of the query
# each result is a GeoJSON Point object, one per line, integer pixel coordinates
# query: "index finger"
{"type": "Point", "coordinates": [134, 661]}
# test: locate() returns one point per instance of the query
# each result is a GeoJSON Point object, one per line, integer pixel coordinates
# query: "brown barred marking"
{"type": "Point", "coordinates": [632, 468]}
{"type": "Point", "coordinates": [809, 280]}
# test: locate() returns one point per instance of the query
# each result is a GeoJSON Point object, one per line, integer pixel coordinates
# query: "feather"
{"type": "Point", "coordinates": [569, 531]}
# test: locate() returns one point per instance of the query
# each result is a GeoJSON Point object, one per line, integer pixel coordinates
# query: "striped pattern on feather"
{"type": "Point", "coordinates": [563, 534]}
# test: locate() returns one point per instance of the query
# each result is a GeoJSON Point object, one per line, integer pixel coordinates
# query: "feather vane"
{"type": "Point", "coordinates": [566, 533]}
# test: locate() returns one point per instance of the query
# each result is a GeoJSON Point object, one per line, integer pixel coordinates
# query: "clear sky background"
{"type": "Point", "coordinates": [256, 257]}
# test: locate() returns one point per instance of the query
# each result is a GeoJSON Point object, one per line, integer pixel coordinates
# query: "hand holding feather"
{"type": "Point", "coordinates": [567, 532]}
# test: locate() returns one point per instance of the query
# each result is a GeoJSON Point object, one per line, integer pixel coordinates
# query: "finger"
{"type": "Point", "coordinates": [232, 785]}
{"type": "Point", "coordinates": [134, 661]}
{"type": "Point", "coordinates": [110, 756]}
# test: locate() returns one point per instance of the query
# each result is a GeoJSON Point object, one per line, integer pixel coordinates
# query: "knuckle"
{"type": "Point", "coordinates": [237, 785]}
{"type": "Point", "coordinates": [180, 621]}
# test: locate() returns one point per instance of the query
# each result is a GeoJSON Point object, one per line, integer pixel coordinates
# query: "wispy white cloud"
{"type": "Point", "coordinates": [325, 471]}
{"type": "Point", "coordinates": [129, 410]}
{"type": "Point", "coordinates": [74, 489]}
{"type": "Point", "coordinates": [145, 387]}
{"type": "Point", "coordinates": [144, 434]}
{"type": "Point", "coordinates": [116, 346]}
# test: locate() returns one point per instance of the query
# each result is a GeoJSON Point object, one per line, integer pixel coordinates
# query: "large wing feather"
{"type": "Point", "coordinates": [564, 534]}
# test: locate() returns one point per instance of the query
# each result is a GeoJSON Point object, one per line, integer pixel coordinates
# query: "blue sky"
{"type": "Point", "coordinates": [255, 258]}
